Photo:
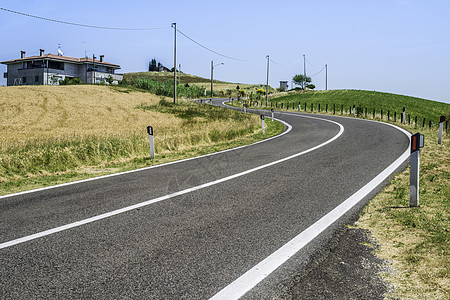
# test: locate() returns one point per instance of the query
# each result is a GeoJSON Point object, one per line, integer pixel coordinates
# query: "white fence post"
{"type": "Point", "coordinates": [151, 141]}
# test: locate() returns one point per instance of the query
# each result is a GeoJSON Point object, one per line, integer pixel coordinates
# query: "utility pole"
{"type": "Point", "coordinates": [212, 70]}
{"type": "Point", "coordinates": [174, 25]}
{"type": "Point", "coordinates": [304, 72]}
{"type": "Point", "coordinates": [267, 82]}
{"type": "Point", "coordinates": [326, 77]}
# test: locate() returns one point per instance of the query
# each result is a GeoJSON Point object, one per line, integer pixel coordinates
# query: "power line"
{"type": "Point", "coordinates": [79, 24]}
{"type": "Point", "coordinates": [310, 62]}
{"type": "Point", "coordinates": [210, 50]}
{"type": "Point", "coordinates": [143, 29]}
{"type": "Point", "coordinates": [318, 72]}
{"type": "Point", "coordinates": [288, 64]}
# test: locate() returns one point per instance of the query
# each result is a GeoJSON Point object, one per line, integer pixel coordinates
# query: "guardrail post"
{"type": "Point", "coordinates": [263, 127]}
{"type": "Point", "coordinates": [417, 142]}
{"type": "Point", "coordinates": [151, 141]}
{"type": "Point", "coordinates": [441, 128]}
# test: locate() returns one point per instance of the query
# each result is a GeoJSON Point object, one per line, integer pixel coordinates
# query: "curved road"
{"type": "Point", "coordinates": [196, 228]}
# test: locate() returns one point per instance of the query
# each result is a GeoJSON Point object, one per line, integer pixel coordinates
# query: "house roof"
{"type": "Point", "coordinates": [50, 56]}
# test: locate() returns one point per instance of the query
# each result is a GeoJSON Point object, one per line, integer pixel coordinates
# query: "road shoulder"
{"type": "Point", "coordinates": [349, 269]}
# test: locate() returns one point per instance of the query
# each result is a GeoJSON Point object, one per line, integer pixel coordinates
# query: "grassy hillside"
{"type": "Point", "coordinates": [196, 81]}
{"type": "Point", "coordinates": [52, 134]}
{"type": "Point", "coordinates": [164, 76]}
{"type": "Point", "coordinates": [430, 110]}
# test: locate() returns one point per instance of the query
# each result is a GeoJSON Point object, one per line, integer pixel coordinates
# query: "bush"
{"type": "Point", "coordinates": [110, 79]}
{"type": "Point", "coordinates": [70, 81]}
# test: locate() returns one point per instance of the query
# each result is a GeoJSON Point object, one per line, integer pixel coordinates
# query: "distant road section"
{"type": "Point", "coordinates": [191, 229]}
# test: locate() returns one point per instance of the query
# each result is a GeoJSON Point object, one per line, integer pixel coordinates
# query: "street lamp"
{"type": "Point", "coordinates": [212, 75]}
{"type": "Point", "coordinates": [267, 82]}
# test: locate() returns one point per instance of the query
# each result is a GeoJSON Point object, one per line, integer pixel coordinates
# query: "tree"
{"type": "Point", "coordinates": [152, 65]}
{"type": "Point", "coordinates": [310, 86]}
{"type": "Point", "coordinates": [301, 80]}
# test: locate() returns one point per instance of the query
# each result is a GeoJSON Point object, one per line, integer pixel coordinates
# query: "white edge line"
{"type": "Point", "coordinates": [259, 272]}
{"type": "Point", "coordinates": [289, 128]}
{"type": "Point", "coordinates": [129, 208]}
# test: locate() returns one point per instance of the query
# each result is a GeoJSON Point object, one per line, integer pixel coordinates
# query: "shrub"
{"type": "Point", "coordinates": [70, 81]}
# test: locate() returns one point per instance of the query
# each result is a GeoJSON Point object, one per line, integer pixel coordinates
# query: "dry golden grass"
{"type": "Point", "coordinates": [51, 130]}
{"type": "Point", "coordinates": [415, 240]}
{"type": "Point", "coordinates": [42, 112]}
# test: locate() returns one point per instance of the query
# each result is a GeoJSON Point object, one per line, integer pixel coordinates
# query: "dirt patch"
{"type": "Point", "coordinates": [349, 270]}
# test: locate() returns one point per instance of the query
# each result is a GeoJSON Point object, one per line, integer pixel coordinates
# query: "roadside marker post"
{"type": "Point", "coordinates": [245, 108]}
{"type": "Point", "coordinates": [151, 141]}
{"type": "Point", "coordinates": [441, 129]}
{"type": "Point", "coordinates": [354, 115]}
{"type": "Point", "coordinates": [272, 113]}
{"type": "Point", "coordinates": [417, 142]}
{"type": "Point", "coordinates": [299, 106]}
{"type": "Point", "coordinates": [262, 122]}
{"type": "Point", "coordinates": [404, 115]}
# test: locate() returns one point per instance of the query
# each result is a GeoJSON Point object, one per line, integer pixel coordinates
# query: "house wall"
{"type": "Point", "coordinates": [52, 76]}
{"type": "Point", "coordinates": [16, 73]}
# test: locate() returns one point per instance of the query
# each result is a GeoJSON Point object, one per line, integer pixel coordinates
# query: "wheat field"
{"type": "Point", "coordinates": [53, 129]}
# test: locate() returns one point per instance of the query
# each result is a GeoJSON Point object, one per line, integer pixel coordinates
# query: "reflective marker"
{"type": "Point", "coordinates": [151, 141]}
{"type": "Point", "coordinates": [417, 142]}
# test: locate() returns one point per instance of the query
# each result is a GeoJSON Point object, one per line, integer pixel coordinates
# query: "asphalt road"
{"type": "Point", "coordinates": [214, 226]}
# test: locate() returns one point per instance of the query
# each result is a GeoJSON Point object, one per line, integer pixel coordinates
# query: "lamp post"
{"type": "Point", "coordinates": [267, 82]}
{"type": "Point", "coordinates": [212, 75]}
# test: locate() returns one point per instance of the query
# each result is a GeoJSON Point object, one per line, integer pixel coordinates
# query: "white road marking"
{"type": "Point", "coordinates": [289, 128]}
{"type": "Point", "coordinates": [132, 207]}
{"type": "Point", "coordinates": [258, 273]}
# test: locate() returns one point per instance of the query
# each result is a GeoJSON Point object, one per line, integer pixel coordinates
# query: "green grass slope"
{"type": "Point", "coordinates": [422, 108]}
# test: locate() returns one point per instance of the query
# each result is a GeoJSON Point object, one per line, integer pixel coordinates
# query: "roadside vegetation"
{"type": "Point", "coordinates": [415, 241]}
{"type": "Point", "coordinates": [55, 134]}
{"type": "Point", "coordinates": [198, 86]}
{"type": "Point", "coordinates": [362, 100]}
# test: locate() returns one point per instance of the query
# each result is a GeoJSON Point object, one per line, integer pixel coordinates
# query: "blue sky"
{"type": "Point", "coordinates": [398, 46]}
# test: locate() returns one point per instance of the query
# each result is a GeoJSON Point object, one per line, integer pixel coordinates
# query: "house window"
{"type": "Point", "coordinates": [56, 65]}
{"type": "Point", "coordinates": [36, 79]}
{"type": "Point", "coordinates": [24, 80]}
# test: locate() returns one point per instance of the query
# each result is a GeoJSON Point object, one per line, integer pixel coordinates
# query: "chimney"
{"type": "Point", "coordinates": [101, 58]}
{"type": "Point", "coordinates": [41, 52]}
{"type": "Point", "coordinates": [22, 54]}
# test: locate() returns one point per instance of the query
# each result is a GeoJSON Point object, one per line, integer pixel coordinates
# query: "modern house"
{"type": "Point", "coordinates": [49, 69]}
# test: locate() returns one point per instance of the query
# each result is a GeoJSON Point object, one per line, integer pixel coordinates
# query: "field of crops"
{"type": "Point", "coordinates": [53, 130]}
